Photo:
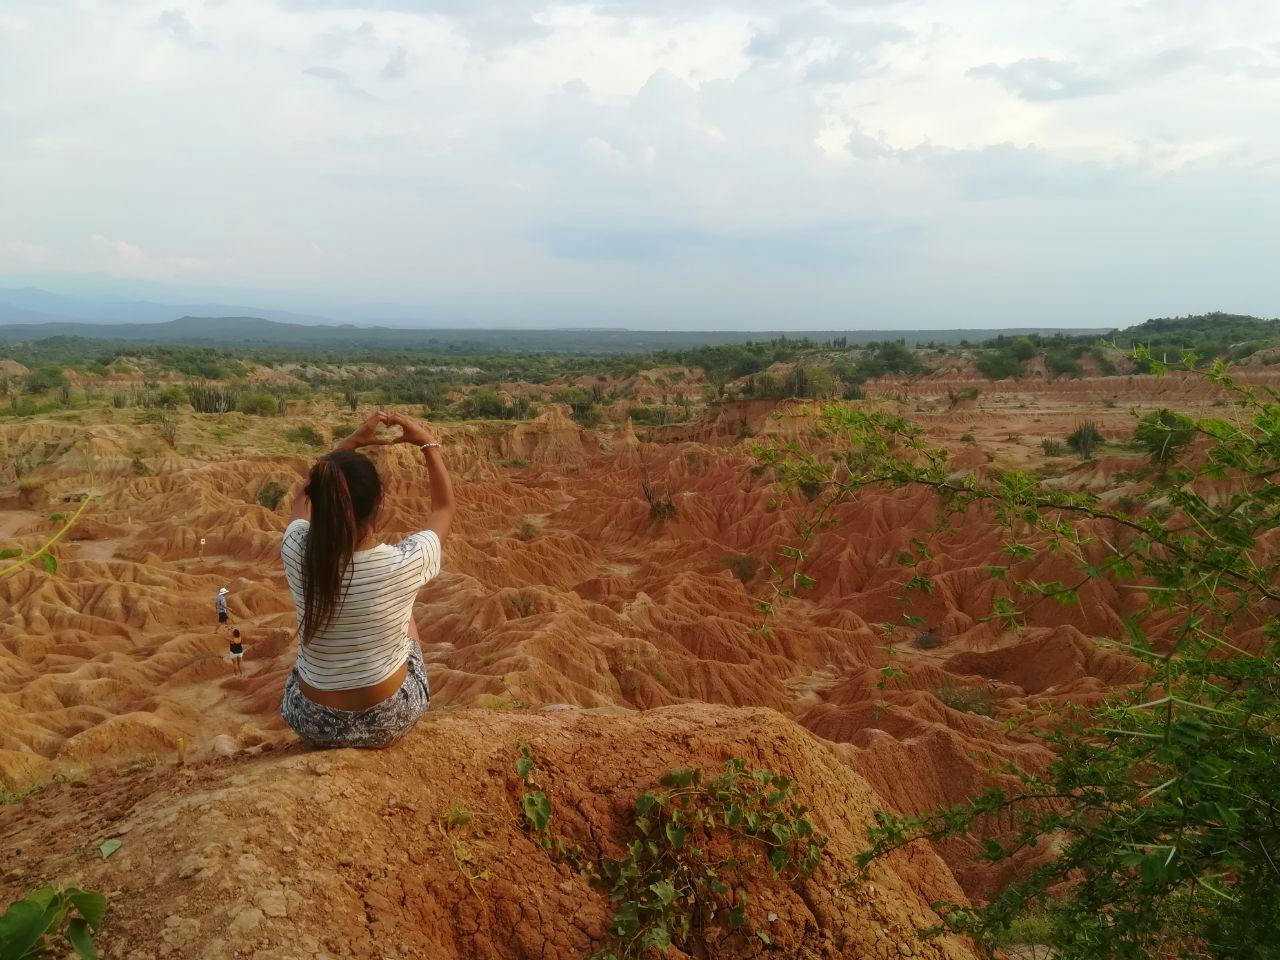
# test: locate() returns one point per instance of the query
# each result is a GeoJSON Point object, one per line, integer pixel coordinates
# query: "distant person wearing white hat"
{"type": "Point", "coordinates": [220, 606]}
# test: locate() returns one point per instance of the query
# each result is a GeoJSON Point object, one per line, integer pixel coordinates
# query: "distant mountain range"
{"type": "Point", "coordinates": [240, 331]}
{"type": "Point", "coordinates": [23, 305]}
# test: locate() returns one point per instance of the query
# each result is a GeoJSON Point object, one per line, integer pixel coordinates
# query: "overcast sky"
{"type": "Point", "coordinates": [662, 163]}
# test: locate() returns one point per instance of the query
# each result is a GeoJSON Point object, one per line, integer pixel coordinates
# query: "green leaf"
{"type": "Point", "coordinates": [108, 847]}
{"type": "Point", "coordinates": [779, 858]}
{"type": "Point", "coordinates": [50, 562]}
{"type": "Point", "coordinates": [644, 803]}
{"type": "Point", "coordinates": [524, 767]}
{"type": "Point", "coordinates": [675, 836]}
{"type": "Point", "coordinates": [78, 934]}
{"type": "Point", "coordinates": [657, 938]}
{"type": "Point", "coordinates": [536, 807]}
{"type": "Point", "coordinates": [10, 553]}
{"type": "Point", "coordinates": [21, 927]}
{"type": "Point", "coordinates": [664, 891]}
{"type": "Point", "coordinates": [43, 897]}
{"type": "Point", "coordinates": [92, 906]}
{"type": "Point", "coordinates": [626, 919]}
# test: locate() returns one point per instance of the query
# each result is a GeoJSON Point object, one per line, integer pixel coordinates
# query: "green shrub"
{"type": "Point", "coordinates": [1085, 439]}
{"type": "Point", "coordinates": [167, 425]}
{"type": "Point", "coordinates": [742, 565]}
{"type": "Point", "coordinates": [45, 379]}
{"type": "Point", "coordinates": [1062, 363]}
{"type": "Point", "coordinates": [271, 494]}
{"type": "Point", "coordinates": [696, 840]}
{"type": "Point", "coordinates": [170, 398]}
{"type": "Point", "coordinates": [1052, 448]}
{"type": "Point", "coordinates": [967, 699]}
{"type": "Point", "coordinates": [929, 640]}
{"type": "Point", "coordinates": [488, 405]}
{"type": "Point", "coordinates": [998, 365]}
{"type": "Point", "coordinates": [258, 405]}
{"type": "Point", "coordinates": [306, 435]}
{"type": "Point", "coordinates": [590, 417]}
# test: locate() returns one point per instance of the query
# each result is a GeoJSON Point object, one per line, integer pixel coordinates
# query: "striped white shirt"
{"type": "Point", "coordinates": [367, 640]}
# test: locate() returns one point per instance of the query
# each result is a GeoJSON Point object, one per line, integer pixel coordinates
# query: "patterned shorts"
{"type": "Point", "coordinates": [377, 726]}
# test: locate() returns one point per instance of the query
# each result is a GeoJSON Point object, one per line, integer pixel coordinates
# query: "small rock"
{"type": "Point", "coordinates": [244, 921]}
{"type": "Point", "coordinates": [905, 949]}
{"type": "Point", "coordinates": [179, 931]}
{"type": "Point", "coordinates": [190, 866]}
{"type": "Point", "coordinates": [272, 903]}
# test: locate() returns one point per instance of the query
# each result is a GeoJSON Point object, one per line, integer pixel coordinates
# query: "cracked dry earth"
{"type": "Point", "coordinates": [292, 854]}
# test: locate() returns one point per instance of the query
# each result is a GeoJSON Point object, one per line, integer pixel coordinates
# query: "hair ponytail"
{"type": "Point", "coordinates": [344, 490]}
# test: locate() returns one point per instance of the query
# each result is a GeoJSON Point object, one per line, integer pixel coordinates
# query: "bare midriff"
{"type": "Point", "coordinates": [359, 698]}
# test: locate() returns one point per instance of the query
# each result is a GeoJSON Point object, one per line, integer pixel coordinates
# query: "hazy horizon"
{"type": "Point", "coordinates": [643, 164]}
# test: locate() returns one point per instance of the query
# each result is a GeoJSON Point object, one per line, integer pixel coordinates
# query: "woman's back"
{"type": "Point", "coordinates": [359, 679]}
{"type": "Point", "coordinates": [367, 639]}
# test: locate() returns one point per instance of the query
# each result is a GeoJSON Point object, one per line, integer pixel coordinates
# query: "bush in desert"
{"type": "Point", "coordinates": [742, 565]}
{"type": "Point", "coordinates": [306, 435]}
{"type": "Point", "coordinates": [258, 405]}
{"type": "Point", "coordinates": [1158, 814]}
{"type": "Point", "coordinates": [270, 495]}
{"type": "Point", "coordinates": [929, 640]}
{"type": "Point", "coordinates": [1085, 439]}
{"type": "Point", "coordinates": [967, 699]}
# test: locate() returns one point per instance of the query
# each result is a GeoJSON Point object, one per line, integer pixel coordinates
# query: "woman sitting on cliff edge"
{"type": "Point", "coordinates": [359, 679]}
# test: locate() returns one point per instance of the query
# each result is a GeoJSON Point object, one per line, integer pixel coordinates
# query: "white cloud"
{"type": "Point", "coordinates": [128, 260]}
{"type": "Point", "coordinates": [718, 162]}
{"type": "Point", "coordinates": [22, 253]}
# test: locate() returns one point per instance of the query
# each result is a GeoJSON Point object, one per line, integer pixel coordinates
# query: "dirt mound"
{"type": "Point", "coordinates": [414, 852]}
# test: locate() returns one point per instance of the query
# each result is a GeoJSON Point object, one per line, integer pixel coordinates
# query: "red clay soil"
{"type": "Point", "coordinates": [559, 588]}
{"type": "Point", "coordinates": [291, 854]}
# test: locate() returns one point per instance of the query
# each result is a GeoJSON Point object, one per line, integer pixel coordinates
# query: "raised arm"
{"type": "Point", "coordinates": [443, 504]}
{"type": "Point", "coordinates": [365, 435]}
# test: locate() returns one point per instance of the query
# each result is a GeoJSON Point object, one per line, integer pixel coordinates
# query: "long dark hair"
{"type": "Point", "coordinates": [344, 490]}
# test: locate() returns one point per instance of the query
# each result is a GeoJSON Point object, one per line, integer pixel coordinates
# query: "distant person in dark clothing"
{"type": "Point", "coordinates": [237, 653]}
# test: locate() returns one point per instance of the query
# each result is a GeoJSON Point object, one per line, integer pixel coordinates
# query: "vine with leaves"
{"type": "Point", "coordinates": [42, 554]}
{"type": "Point", "coordinates": [695, 841]}
{"type": "Point", "coordinates": [1161, 811]}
